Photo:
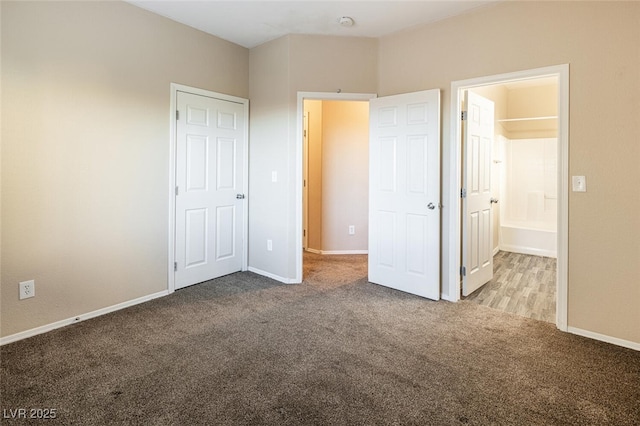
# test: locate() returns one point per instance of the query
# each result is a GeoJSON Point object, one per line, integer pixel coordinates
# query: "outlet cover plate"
{"type": "Point", "coordinates": [27, 289]}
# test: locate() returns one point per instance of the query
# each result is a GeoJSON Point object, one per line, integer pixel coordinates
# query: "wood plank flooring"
{"type": "Point", "coordinates": [522, 284]}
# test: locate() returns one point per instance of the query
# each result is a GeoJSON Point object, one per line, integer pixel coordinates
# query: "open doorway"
{"type": "Point", "coordinates": [454, 241]}
{"type": "Point", "coordinates": [305, 242]}
{"type": "Point", "coordinates": [335, 176]}
{"type": "Point", "coordinates": [404, 191]}
{"type": "Point", "coordinates": [523, 189]}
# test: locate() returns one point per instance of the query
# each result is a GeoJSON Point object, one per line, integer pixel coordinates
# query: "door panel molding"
{"type": "Point", "coordinates": [477, 256]}
{"type": "Point", "coordinates": [404, 190]}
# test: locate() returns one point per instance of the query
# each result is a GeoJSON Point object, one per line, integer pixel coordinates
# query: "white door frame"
{"type": "Point", "coordinates": [175, 88]}
{"type": "Point", "coordinates": [452, 157]}
{"type": "Point", "coordinates": [305, 186]}
{"type": "Point", "coordinates": [321, 96]}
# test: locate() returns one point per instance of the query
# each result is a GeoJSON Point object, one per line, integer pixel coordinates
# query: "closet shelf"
{"type": "Point", "coordinates": [547, 123]}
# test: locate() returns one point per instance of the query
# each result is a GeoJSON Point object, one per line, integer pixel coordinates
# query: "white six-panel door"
{"type": "Point", "coordinates": [209, 180]}
{"type": "Point", "coordinates": [477, 234]}
{"type": "Point", "coordinates": [404, 192]}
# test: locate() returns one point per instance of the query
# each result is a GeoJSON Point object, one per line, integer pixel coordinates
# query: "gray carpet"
{"type": "Point", "coordinates": [245, 350]}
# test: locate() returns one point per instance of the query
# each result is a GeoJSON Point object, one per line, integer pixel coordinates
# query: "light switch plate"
{"type": "Point", "coordinates": [579, 183]}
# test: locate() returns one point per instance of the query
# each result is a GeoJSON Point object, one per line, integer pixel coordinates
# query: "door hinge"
{"type": "Point", "coordinates": [175, 266]}
{"type": "Point", "coordinates": [463, 193]}
{"type": "Point", "coordinates": [177, 115]}
{"type": "Point", "coordinates": [176, 190]}
{"type": "Point", "coordinates": [463, 271]}
{"type": "Point", "coordinates": [463, 116]}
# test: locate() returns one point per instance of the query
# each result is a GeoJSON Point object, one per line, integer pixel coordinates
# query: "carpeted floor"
{"type": "Point", "coordinates": [336, 350]}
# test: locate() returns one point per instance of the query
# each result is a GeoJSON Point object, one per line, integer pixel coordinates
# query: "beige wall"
{"type": "Point", "coordinates": [278, 71]}
{"type": "Point", "coordinates": [85, 97]}
{"type": "Point", "coordinates": [338, 175]}
{"type": "Point", "coordinates": [313, 109]}
{"type": "Point", "coordinates": [535, 101]}
{"type": "Point", "coordinates": [269, 213]}
{"type": "Point", "coordinates": [345, 183]}
{"type": "Point", "coordinates": [85, 150]}
{"type": "Point", "coordinates": [599, 41]}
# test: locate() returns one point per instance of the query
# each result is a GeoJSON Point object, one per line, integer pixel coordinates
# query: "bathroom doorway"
{"type": "Point", "coordinates": [521, 134]}
{"type": "Point", "coordinates": [524, 188]}
{"type": "Point", "coordinates": [523, 174]}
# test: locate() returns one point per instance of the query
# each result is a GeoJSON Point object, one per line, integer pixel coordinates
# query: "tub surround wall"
{"type": "Point", "coordinates": [531, 175]}
{"type": "Point", "coordinates": [529, 202]}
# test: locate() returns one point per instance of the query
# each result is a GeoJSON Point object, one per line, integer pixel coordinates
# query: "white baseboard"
{"type": "Point", "coordinates": [331, 252]}
{"type": "Point", "coordinates": [528, 250]}
{"type": "Point", "coordinates": [604, 338]}
{"type": "Point", "coordinates": [82, 317]}
{"type": "Point", "coordinates": [273, 276]}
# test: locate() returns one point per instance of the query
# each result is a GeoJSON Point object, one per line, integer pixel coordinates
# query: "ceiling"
{"type": "Point", "coordinates": [250, 23]}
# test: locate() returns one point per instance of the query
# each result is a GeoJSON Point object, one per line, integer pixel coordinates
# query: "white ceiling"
{"type": "Point", "coordinates": [250, 23]}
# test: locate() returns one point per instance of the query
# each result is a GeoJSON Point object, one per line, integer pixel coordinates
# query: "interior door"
{"type": "Point", "coordinates": [209, 177]}
{"type": "Point", "coordinates": [404, 192]}
{"type": "Point", "coordinates": [477, 223]}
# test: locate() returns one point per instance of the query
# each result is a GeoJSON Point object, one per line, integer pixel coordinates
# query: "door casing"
{"type": "Point", "coordinates": [174, 87]}
{"type": "Point", "coordinates": [452, 164]}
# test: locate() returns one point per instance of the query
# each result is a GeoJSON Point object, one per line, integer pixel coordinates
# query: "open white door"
{"type": "Point", "coordinates": [477, 223]}
{"type": "Point", "coordinates": [209, 183]}
{"type": "Point", "coordinates": [404, 192]}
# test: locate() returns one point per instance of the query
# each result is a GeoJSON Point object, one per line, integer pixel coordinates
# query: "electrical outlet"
{"type": "Point", "coordinates": [27, 289]}
{"type": "Point", "coordinates": [352, 230]}
{"type": "Point", "coordinates": [269, 245]}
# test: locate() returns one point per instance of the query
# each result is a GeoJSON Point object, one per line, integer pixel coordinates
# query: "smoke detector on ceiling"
{"type": "Point", "coordinates": [346, 21]}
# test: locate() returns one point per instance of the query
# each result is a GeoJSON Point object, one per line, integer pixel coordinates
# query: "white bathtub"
{"type": "Point", "coordinates": [535, 238]}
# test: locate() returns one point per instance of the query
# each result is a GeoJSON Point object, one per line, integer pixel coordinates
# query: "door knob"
{"type": "Point", "coordinates": [494, 201]}
{"type": "Point", "coordinates": [240, 196]}
{"type": "Point", "coordinates": [431, 206]}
